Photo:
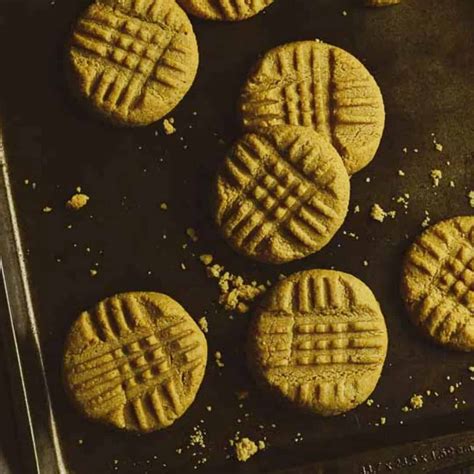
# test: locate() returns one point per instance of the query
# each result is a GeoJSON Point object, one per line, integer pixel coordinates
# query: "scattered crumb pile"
{"type": "Point", "coordinates": [77, 201]}
{"type": "Point", "coordinates": [168, 126]}
{"type": "Point", "coordinates": [378, 214]}
{"type": "Point", "coordinates": [246, 448]}
{"type": "Point", "coordinates": [235, 293]}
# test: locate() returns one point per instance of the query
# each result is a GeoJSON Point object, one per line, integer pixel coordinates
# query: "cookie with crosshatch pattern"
{"type": "Point", "coordinates": [319, 340]}
{"type": "Point", "coordinates": [438, 282]}
{"type": "Point", "coordinates": [133, 60]}
{"type": "Point", "coordinates": [227, 10]}
{"type": "Point", "coordinates": [316, 85]}
{"type": "Point", "coordinates": [282, 194]}
{"type": "Point", "coordinates": [135, 361]}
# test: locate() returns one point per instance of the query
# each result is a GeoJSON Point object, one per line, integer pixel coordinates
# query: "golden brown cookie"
{"type": "Point", "coordinates": [226, 10]}
{"type": "Point", "coordinates": [135, 361]}
{"type": "Point", "coordinates": [381, 3]}
{"type": "Point", "coordinates": [319, 340]}
{"type": "Point", "coordinates": [317, 85]}
{"type": "Point", "coordinates": [133, 60]}
{"type": "Point", "coordinates": [282, 194]}
{"type": "Point", "coordinates": [438, 282]}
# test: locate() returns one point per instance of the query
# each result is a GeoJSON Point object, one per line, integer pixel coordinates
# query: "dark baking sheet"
{"type": "Point", "coordinates": [422, 54]}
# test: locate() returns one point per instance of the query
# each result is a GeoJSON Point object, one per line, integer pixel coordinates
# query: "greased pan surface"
{"type": "Point", "coordinates": [420, 52]}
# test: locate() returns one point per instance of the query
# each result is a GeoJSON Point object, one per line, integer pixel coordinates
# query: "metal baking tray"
{"type": "Point", "coordinates": [422, 54]}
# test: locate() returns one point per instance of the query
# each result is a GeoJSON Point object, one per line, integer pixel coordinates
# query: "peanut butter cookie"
{"type": "Point", "coordinates": [136, 361]}
{"type": "Point", "coordinates": [133, 60]}
{"type": "Point", "coordinates": [227, 10]}
{"type": "Point", "coordinates": [317, 85]}
{"type": "Point", "coordinates": [282, 194]}
{"type": "Point", "coordinates": [438, 282]}
{"type": "Point", "coordinates": [319, 340]}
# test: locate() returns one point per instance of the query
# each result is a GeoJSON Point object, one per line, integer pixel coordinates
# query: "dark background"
{"type": "Point", "coordinates": [422, 55]}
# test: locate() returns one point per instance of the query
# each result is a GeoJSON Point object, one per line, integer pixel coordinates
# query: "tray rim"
{"type": "Point", "coordinates": [39, 442]}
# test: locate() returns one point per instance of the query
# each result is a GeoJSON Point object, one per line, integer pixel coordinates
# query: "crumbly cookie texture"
{"type": "Point", "coordinates": [319, 340]}
{"type": "Point", "coordinates": [135, 361]}
{"type": "Point", "coordinates": [381, 3]}
{"type": "Point", "coordinates": [438, 282]}
{"type": "Point", "coordinates": [226, 10]}
{"type": "Point", "coordinates": [316, 85]}
{"type": "Point", "coordinates": [133, 61]}
{"type": "Point", "coordinates": [282, 194]}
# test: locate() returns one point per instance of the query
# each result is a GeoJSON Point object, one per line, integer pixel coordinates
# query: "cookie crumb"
{"type": "Point", "coordinates": [416, 401]}
{"type": "Point", "coordinates": [47, 209]}
{"type": "Point", "coordinates": [426, 221]}
{"type": "Point", "coordinates": [77, 201]}
{"type": "Point", "coordinates": [245, 449]}
{"type": "Point", "coordinates": [401, 173]}
{"type": "Point", "coordinates": [164, 206]}
{"type": "Point", "coordinates": [203, 324]}
{"type": "Point", "coordinates": [437, 145]}
{"type": "Point", "coordinates": [369, 402]}
{"type": "Point", "coordinates": [168, 126]}
{"type": "Point", "coordinates": [378, 214]}
{"type": "Point", "coordinates": [218, 357]}
{"type": "Point", "coordinates": [93, 272]}
{"type": "Point", "coordinates": [206, 259]}
{"type": "Point", "coordinates": [436, 176]}
{"type": "Point", "coordinates": [192, 234]}
{"type": "Point", "coordinates": [470, 196]}
{"type": "Point", "coordinates": [451, 389]}
{"type": "Point", "coordinates": [356, 209]}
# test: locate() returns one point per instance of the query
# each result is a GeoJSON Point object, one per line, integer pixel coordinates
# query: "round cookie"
{"type": "Point", "coordinates": [133, 60]}
{"type": "Point", "coordinates": [226, 10]}
{"type": "Point", "coordinates": [317, 85]}
{"type": "Point", "coordinates": [319, 340]}
{"type": "Point", "coordinates": [282, 194]}
{"type": "Point", "coordinates": [438, 282]}
{"type": "Point", "coordinates": [135, 361]}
